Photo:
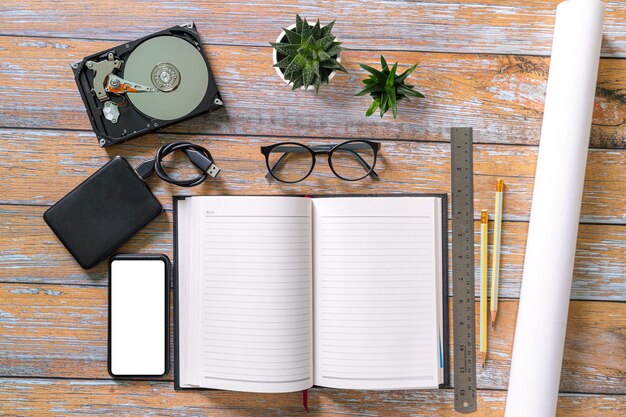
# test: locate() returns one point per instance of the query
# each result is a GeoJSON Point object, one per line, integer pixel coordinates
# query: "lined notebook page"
{"type": "Point", "coordinates": [256, 293]}
{"type": "Point", "coordinates": [375, 291]}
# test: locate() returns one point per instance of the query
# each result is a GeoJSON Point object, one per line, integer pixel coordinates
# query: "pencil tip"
{"type": "Point", "coordinates": [484, 357]}
{"type": "Point", "coordinates": [493, 318]}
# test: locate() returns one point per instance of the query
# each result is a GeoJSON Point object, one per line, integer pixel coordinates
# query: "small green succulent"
{"type": "Point", "coordinates": [386, 88]}
{"type": "Point", "coordinates": [308, 54]}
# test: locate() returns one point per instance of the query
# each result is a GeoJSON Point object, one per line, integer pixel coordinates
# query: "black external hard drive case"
{"type": "Point", "coordinates": [103, 212]}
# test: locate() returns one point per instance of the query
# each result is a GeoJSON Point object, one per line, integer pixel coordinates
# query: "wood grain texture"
{"type": "Point", "coordinates": [483, 63]}
{"type": "Point", "coordinates": [31, 254]}
{"type": "Point", "coordinates": [40, 167]}
{"type": "Point", "coordinates": [489, 26]}
{"type": "Point", "coordinates": [40, 397]}
{"type": "Point", "coordinates": [65, 330]}
{"type": "Point", "coordinates": [500, 96]}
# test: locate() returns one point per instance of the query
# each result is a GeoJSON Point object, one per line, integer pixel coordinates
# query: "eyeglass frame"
{"type": "Point", "coordinates": [322, 150]}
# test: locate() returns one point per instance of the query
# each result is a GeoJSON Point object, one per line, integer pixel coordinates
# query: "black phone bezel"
{"type": "Point", "coordinates": [168, 267]}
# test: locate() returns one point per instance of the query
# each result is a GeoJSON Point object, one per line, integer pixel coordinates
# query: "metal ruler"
{"type": "Point", "coordinates": [463, 270]}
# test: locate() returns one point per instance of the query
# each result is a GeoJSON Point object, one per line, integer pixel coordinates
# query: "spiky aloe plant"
{"type": "Point", "coordinates": [308, 54]}
{"type": "Point", "coordinates": [386, 88]}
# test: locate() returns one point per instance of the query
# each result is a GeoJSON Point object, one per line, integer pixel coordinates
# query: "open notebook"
{"type": "Point", "coordinates": [277, 294]}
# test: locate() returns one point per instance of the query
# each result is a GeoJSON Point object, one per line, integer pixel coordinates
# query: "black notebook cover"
{"type": "Point", "coordinates": [444, 256]}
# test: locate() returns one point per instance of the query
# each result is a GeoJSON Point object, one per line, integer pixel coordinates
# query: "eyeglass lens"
{"type": "Point", "coordinates": [353, 161]}
{"type": "Point", "coordinates": [290, 162]}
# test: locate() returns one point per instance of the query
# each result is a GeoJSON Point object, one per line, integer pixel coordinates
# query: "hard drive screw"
{"type": "Point", "coordinates": [148, 125]}
{"type": "Point", "coordinates": [102, 142]}
{"type": "Point", "coordinates": [89, 64]}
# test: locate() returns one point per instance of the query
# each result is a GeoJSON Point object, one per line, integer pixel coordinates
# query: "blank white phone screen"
{"type": "Point", "coordinates": [137, 317]}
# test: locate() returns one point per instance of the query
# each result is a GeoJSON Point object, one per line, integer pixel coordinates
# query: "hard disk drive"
{"type": "Point", "coordinates": [143, 85]}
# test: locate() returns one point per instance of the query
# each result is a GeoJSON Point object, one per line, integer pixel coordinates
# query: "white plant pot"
{"type": "Point", "coordinates": [279, 71]}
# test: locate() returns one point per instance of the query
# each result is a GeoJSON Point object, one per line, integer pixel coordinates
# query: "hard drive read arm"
{"type": "Point", "coordinates": [105, 82]}
{"type": "Point", "coordinates": [119, 85]}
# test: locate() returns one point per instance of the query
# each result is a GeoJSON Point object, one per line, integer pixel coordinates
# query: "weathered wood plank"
{"type": "Point", "coordinates": [60, 331]}
{"type": "Point", "coordinates": [41, 397]}
{"type": "Point", "coordinates": [31, 254]}
{"type": "Point", "coordinates": [487, 26]}
{"type": "Point", "coordinates": [40, 167]}
{"type": "Point", "coordinates": [500, 96]}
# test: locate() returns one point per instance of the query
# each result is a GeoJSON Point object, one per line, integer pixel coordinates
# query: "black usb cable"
{"type": "Point", "coordinates": [198, 155]}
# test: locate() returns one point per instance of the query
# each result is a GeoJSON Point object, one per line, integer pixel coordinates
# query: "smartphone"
{"type": "Point", "coordinates": [138, 315]}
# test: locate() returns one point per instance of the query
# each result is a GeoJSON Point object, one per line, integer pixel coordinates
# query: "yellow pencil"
{"type": "Point", "coordinates": [495, 265]}
{"type": "Point", "coordinates": [484, 222]}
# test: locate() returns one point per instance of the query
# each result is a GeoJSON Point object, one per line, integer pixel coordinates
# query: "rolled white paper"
{"type": "Point", "coordinates": [555, 212]}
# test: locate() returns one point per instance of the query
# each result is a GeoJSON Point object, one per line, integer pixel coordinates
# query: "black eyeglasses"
{"type": "Point", "coordinates": [292, 162]}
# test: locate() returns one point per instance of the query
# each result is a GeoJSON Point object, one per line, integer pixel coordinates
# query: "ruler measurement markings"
{"type": "Point", "coordinates": [463, 270]}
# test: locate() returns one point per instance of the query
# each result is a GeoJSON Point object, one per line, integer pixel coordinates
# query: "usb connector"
{"type": "Point", "coordinates": [213, 170]}
{"type": "Point", "coordinates": [202, 162]}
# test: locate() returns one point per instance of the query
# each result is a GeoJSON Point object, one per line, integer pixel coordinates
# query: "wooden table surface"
{"type": "Point", "coordinates": [483, 63]}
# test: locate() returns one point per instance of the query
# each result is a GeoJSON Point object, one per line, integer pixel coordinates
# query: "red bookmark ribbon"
{"type": "Point", "coordinates": [305, 400]}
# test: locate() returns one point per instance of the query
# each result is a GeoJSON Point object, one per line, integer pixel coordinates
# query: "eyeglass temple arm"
{"type": "Point", "coordinates": [282, 157]}
{"type": "Point", "coordinates": [358, 157]}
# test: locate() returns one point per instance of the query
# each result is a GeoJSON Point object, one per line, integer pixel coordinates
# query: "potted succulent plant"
{"type": "Point", "coordinates": [306, 56]}
{"type": "Point", "coordinates": [387, 88]}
